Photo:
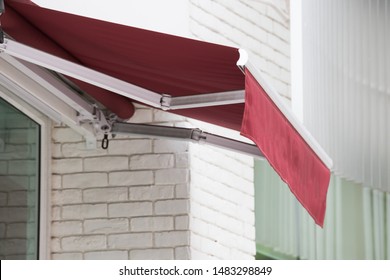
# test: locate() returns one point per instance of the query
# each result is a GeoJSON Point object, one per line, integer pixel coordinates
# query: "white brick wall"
{"type": "Point", "coordinates": [127, 202]}
{"type": "Point", "coordinates": [252, 25]}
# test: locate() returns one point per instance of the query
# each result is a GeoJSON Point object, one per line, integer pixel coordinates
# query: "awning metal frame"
{"type": "Point", "coordinates": [26, 59]}
{"type": "Point", "coordinates": [161, 101]}
{"type": "Point", "coordinates": [157, 100]}
{"type": "Point", "coordinates": [193, 135]}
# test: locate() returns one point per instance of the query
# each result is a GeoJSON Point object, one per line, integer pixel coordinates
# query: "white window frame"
{"type": "Point", "coordinates": [45, 169]}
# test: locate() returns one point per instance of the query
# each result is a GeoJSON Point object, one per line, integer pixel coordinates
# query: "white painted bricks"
{"type": "Point", "coordinates": [127, 202]}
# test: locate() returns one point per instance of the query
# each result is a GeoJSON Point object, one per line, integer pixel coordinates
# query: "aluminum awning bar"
{"type": "Point", "coordinates": [194, 135]}
{"type": "Point", "coordinates": [203, 100]}
{"type": "Point", "coordinates": [148, 97]}
{"type": "Point", "coordinates": [79, 72]}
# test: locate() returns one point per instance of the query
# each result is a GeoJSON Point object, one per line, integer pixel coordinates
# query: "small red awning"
{"type": "Point", "coordinates": [177, 66]}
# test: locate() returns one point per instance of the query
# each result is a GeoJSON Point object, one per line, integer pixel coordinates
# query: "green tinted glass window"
{"type": "Point", "coordinates": [19, 184]}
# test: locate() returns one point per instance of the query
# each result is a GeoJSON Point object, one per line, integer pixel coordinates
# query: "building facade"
{"type": "Point", "coordinates": [141, 198]}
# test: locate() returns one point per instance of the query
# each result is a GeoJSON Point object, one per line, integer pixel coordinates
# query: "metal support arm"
{"type": "Point", "coordinates": [188, 134]}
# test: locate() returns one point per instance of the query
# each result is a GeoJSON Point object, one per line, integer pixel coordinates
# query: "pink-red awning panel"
{"type": "Point", "coordinates": [290, 156]}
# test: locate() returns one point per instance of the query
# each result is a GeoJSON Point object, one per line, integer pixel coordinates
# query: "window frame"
{"type": "Point", "coordinates": [44, 170]}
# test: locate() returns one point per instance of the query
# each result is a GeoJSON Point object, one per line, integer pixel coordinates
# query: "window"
{"type": "Point", "coordinates": [19, 184]}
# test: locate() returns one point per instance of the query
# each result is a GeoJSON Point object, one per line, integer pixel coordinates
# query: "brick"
{"type": "Point", "coordinates": [65, 228]}
{"type": "Point", "coordinates": [70, 150]}
{"type": "Point", "coordinates": [182, 160]}
{"type": "Point", "coordinates": [56, 150]}
{"type": "Point", "coordinates": [276, 16]}
{"type": "Point", "coordinates": [106, 164]}
{"type": "Point", "coordinates": [168, 207]}
{"type": "Point", "coordinates": [84, 180]}
{"type": "Point", "coordinates": [151, 224]}
{"type": "Point", "coordinates": [83, 243]}
{"type": "Point", "coordinates": [278, 44]}
{"type": "Point", "coordinates": [169, 146]}
{"type": "Point", "coordinates": [182, 253]}
{"type": "Point", "coordinates": [249, 231]}
{"type": "Point", "coordinates": [213, 247]}
{"type": "Point", "coordinates": [152, 192]}
{"type": "Point", "coordinates": [131, 178]}
{"type": "Point", "coordinates": [84, 211]}
{"type": "Point", "coordinates": [66, 166]}
{"type": "Point", "coordinates": [282, 60]}
{"type": "Point", "coordinates": [182, 222]}
{"type": "Point", "coordinates": [67, 256]}
{"type": "Point", "coordinates": [66, 135]}
{"type": "Point", "coordinates": [55, 245]}
{"type": "Point", "coordinates": [148, 162]}
{"type": "Point", "coordinates": [131, 209]}
{"type": "Point", "coordinates": [172, 238]}
{"type": "Point", "coordinates": [106, 255]}
{"type": "Point", "coordinates": [273, 69]}
{"type": "Point", "coordinates": [106, 226]}
{"type": "Point", "coordinates": [223, 176]}
{"type": "Point", "coordinates": [56, 213]}
{"type": "Point", "coordinates": [230, 194]}
{"type": "Point", "coordinates": [130, 241]}
{"type": "Point", "coordinates": [172, 176]}
{"type": "Point", "coordinates": [201, 227]}
{"type": "Point", "coordinates": [238, 255]}
{"type": "Point", "coordinates": [56, 182]}
{"type": "Point", "coordinates": [69, 196]}
{"type": "Point", "coordinates": [214, 203]}
{"type": "Point", "coordinates": [182, 191]}
{"type": "Point", "coordinates": [282, 32]}
{"type": "Point", "coordinates": [109, 194]}
{"type": "Point", "coordinates": [130, 147]}
{"type": "Point", "coordinates": [152, 254]}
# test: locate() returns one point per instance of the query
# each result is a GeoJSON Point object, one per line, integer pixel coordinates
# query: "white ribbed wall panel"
{"type": "Point", "coordinates": [357, 222]}
{"type": "Point", "coordinates": [346, 85]}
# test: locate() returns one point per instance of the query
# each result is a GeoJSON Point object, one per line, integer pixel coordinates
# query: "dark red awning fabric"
{"type": "Point", "coordinates": [16, 25]}
{"type": "Point", "coordinates": [286, 151]}
{"type": "Point", "coordinates": [159, 62]}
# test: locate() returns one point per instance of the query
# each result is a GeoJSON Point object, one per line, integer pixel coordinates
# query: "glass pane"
{"type": "Point", "coordinates": [19, 184]}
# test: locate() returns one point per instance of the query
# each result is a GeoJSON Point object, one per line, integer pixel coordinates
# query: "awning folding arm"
{"type": "Point", "coordinates": [148, 97]}
{"type": "Point", "coordinates": [90, 114]}
{"type": "Point", "coordinates": [194, 135]}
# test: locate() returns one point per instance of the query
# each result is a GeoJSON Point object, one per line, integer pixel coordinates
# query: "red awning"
{"type": "Point", "coordinates": [177, 66]}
